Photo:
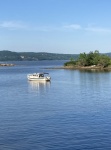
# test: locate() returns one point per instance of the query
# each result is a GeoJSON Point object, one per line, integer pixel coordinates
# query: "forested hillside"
{"type": "Point", "coordinates": [6, 55]}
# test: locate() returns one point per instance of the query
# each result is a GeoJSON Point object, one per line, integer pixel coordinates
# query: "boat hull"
{"type": "Point", "coordinates": [35, 79]}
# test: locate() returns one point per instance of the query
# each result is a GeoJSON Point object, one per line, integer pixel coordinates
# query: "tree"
{"type": "Point", "coordinates": [96, 57]}
{"type": "Point", "coordinates": [82, 61]}
{"type": "Point", "coordinates": [104, 61]}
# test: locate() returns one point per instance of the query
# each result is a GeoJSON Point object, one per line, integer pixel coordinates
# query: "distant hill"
{"type": "Point", "coordinates": [108, 54]}
{"type": "Point", "coordinates": [6, 55]}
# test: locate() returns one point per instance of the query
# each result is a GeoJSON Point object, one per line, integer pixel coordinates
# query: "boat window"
{"type": "Point", "coordinates": [41, 75]}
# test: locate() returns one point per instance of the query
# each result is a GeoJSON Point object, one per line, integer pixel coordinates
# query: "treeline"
{"type": "Point", "coordinates": [83, 59]}
{"type": "Point", "coordinates": [90, 59]}
{"type": "Point", "coordinates": [6, 55]}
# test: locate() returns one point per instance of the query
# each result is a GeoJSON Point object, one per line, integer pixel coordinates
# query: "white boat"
{"type": "Point", "coordinates": [38, 77]}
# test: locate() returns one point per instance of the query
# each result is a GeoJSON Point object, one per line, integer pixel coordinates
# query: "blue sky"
{"type": "Point", "coordinates": [56, 26]}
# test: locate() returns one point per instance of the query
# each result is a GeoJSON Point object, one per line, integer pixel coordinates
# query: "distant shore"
{"type": "Point", "coordinates": [5, 65]}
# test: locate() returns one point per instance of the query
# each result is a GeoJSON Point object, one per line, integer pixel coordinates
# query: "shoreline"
{"type": "Point", "coordinates": [82, 68]}
{"type": "Point", "coordinates": [6, 65]}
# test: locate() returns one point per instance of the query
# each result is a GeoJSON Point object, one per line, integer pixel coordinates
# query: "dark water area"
{"type": "Point", "coordinates": [72, 112]}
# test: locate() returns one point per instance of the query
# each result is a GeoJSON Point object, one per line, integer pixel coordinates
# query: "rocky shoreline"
{"type": "Point", "coordinates": [87, 67]}
{"type": "Point", "coordinates": [5, 65]}
{"type": "Point", "coordinates": [83, 68]}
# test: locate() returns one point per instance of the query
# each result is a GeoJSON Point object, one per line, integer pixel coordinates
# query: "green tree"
{"type": "Point", "coordinates": [90, 59]}
{"type": "Point", "coordinates": [96, 57]}
{"type": "Point", "coordinates": [104, 61]}
{"type": "Point", "coordinates": [82, 61]}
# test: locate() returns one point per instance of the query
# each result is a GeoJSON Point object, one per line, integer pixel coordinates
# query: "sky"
{"type": "Point", "coordinates": [55, 26]}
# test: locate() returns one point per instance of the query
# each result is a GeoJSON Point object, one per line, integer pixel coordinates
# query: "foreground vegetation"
{"type": "Point", "coordinates": [92, 59]}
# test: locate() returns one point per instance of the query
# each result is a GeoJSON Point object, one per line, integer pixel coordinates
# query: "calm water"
{"type": "Point", "coordinates": [72, 112]}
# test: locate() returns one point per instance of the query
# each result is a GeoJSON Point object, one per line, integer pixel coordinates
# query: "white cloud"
{"type": "Point", "coordinates": [12, 25]}
{"type": "Point", "coordinates": [19, 25]}
{"type": "Point", "coordinates": [73, 26]}
{"type": "Point", "coordinates": [44, 28]}
{"type": "Point", "coordinates": [98, 29]}
{"type": "Point", "coordinates": [91, 28]}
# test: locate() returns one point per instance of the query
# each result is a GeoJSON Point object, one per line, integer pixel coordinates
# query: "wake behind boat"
{"type": "Point", "coordinates": [38, 77]}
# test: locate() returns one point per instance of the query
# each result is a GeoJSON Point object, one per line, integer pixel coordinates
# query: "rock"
{"type": "Point", "coordinates": [6, 65]}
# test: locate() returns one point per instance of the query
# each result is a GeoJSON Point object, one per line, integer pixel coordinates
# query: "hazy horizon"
{"type": "Point", "coordinates": [52, 52]}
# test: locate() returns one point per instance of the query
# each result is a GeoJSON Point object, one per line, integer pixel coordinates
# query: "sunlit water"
{"type": "Point", "coordinates": [72, 112]}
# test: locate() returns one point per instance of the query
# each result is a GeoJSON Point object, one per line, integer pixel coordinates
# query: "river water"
{"type": "Point", "coordinates": [72, 112]}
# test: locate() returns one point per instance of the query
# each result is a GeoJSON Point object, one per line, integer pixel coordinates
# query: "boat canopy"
{"type": "Point", "coordinates": [41, 73]}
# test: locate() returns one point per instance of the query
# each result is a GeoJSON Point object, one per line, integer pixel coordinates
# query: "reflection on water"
{"type": "Point", "coordinates": [38, 86]}
{"type": "Point", "coordinates": [95, 70]}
